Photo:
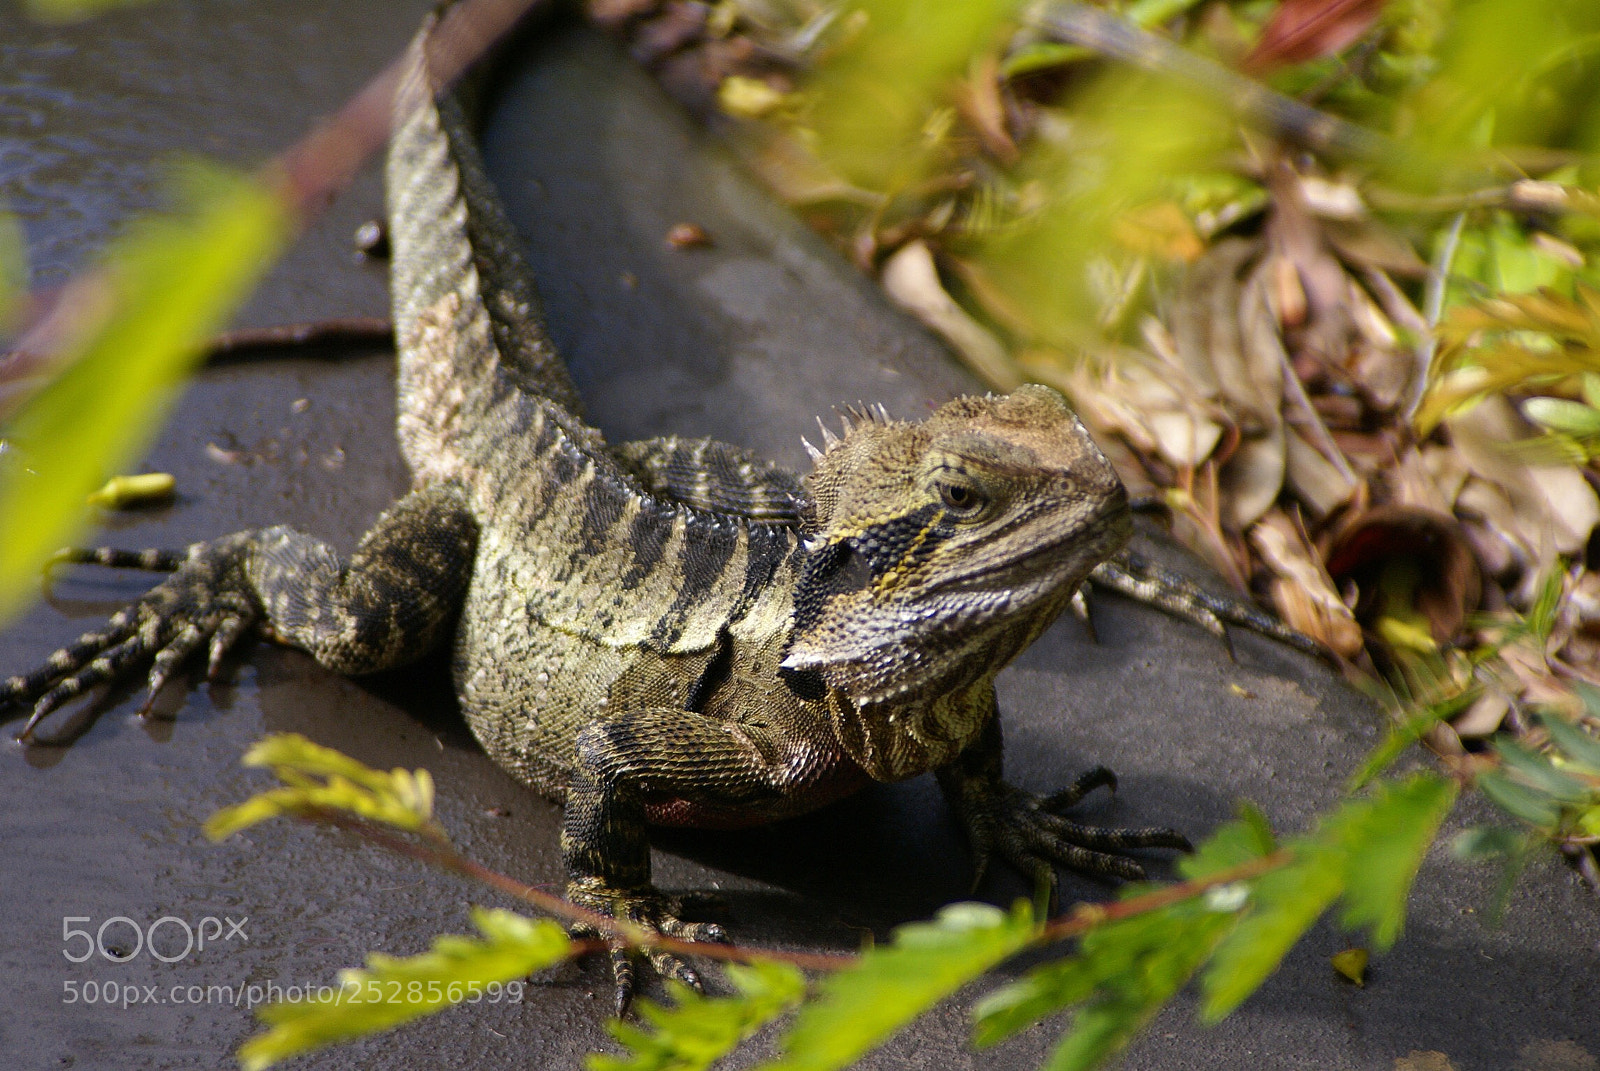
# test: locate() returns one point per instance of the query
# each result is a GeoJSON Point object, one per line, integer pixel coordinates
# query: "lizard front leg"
{"type": "Point", "coordinates": [392, 602]}
{"type": "Point", "coordinates": [1027, 831]}
{"type": "Point", "coordinates": [622, 765]}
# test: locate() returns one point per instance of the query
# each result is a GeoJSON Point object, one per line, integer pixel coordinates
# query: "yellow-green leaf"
{"type": "Point", "coordinates": [391, 991]}
{"type": "Point", "coordinates": [400, 798]}
{"type": "Point", "coordinates": [121, 492]}
{"type": "Point", "coordinates": [1352, 964]}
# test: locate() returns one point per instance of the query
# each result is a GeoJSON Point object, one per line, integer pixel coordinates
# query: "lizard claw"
{"type": "Point", "coordinates": [653, 912]}
{"type": "Point", "coordinates": [200, 603]}
{"type": "Point", "coordinates": [1025, 831]}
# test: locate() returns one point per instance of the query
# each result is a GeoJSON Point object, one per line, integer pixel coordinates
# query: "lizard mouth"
{"type": "Point", "coordinates": [1044, 566]}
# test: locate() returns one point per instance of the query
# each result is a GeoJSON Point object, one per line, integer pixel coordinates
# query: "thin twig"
{"type": "Point", "coordinates": [1110, 35]}
{"type": "Point", "coordinates": [345, 330]}
{"type": "Point", "coordinates": [438, 852]}
{"type": "Point", "coordinates": [1086, 917]}
{"type": "Point", "coordinates": [1432, 308]}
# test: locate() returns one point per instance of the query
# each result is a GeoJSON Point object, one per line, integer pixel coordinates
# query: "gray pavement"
{"type": "Point", "coordinates": [746, 340]}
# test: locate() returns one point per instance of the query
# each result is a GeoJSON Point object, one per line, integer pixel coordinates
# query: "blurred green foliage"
{"type": "Point", "coordinates": [391, 990]}
{"type": "Point", "coordinates": [73, 10]}
{"type": "Point", "coordinates": [138, 326]}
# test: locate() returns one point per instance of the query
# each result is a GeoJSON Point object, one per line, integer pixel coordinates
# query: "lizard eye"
{"type": "Point", "coordinates": [961, 498]}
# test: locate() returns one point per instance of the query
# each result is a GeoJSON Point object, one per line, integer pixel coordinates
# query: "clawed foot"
{"type": "Point", "coordinates": [649, 910]}
{"type": "Point", "coordinates": [200, 605]}
{"type": "Point", "coordinates": [1027, 832]}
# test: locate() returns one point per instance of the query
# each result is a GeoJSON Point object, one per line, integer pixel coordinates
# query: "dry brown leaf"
{"type": "Point", "coordinates": [1489, 522]}
{"type": "Point", "coordinates": [1553, 1054]}
{"type": "Point", "coordinates": [912, 280]}
{"type": "Point", "coordinates": [1261, 352]}
{"type": "Point", "coordinates": [1423, 1060]}
{"type": "Point", "coordinates": [1540, 687]}
{"type": "Point", "coordinates": [1253, 477]}
{"type": "Point", "coordinates": [1147, 402]}
{"type": "Point", "coordinates": [1483, 717]}
{"type": "Point", "coordinates": [1411, 482]}
{"type": "Point", "coordinates": [613, 13]}
{"type": "Point", "coordinates": [1330, 200]}
{"type": "Point", "coordinates": [1447, 470]}
{"type": "Point", "coordinates": [785, 164]}
{"type": "Point", "coordinates": [1302, 591]}
{"type": "Point", "coordinates": [1302, 30]}
{"type": "Point", "coordinates": [1584, 602]}
{"type": "Point", "coordinates": [978, 99]}
{"type": "Point", "coordinates": [1287, 296]}
{"type": "Point", "coordinates": [1196, 329]}
{"type": "Point", "coordinates": [1554, 508]}
{"type": "Point", "coordinates": [1369, 244]}
{"type": "Point", "coordinates": [1296, 235]}
{"type": "Point", "coordinates": [1313, 478]}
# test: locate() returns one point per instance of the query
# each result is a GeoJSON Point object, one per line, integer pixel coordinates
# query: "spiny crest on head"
{"type": "Point", "coordinates": [849, 417]}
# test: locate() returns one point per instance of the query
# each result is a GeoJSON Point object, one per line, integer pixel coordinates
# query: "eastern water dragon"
{"type": "Point", "coordinates": [672, 631]}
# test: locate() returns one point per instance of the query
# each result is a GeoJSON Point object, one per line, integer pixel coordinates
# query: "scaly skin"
{"type": "Point", "coordinates": [668, 632]}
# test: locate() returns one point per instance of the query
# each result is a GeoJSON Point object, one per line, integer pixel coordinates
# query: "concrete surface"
{"type": "Point", "coordinates": [746, 340]}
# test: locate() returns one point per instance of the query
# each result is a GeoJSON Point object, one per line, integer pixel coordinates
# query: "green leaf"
{"type": "Point", "coordinates": [1287, 902]}
{"type": "Point", "coordinates": [167, 285]}
{"type": "Point", "coordinates": [1559, 414]}
{"type": "Point", "coordinates": [1581, 748]}
{"type": "Point", "coordinates": [1518, 800]}
{"type": "Point", "coordinates": [13, 268]}
{"type": "Point", "coordinates": [400, 798]}
{"type": "Point", "coordinates": [1247, 837]}
{"type": "Point", "coordinates": [1482, 843]}
{"type": "Point", "coordinates": [1542, 614]}
{"type": "Point", "coordinates": [1536, 772]}
{"type": "Point", "coordinates": [1129, 968]}
{"type": "Point", "coordinates": [1368, 850]}
{"type": "Point", "coordinates": [1409, 732]}
{"type": "Point", "coordinates": [1139, 964]}
{"type": "Point", "coordinates": [1041, 56]}
{"type": "Point", "coordinates": [391, 991]}
{"type": "Point", "coordinates": [1044, 990]}
{"type": "Point", "coordinates": [862, 1005]}
{"type": "Point", "coordinates": [1385, 847]}
{"type": "Point", "coordinates": [697, 1030]}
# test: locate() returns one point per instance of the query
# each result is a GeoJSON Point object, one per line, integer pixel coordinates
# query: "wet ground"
{"type": "Point", "coordinates": [745, 340]}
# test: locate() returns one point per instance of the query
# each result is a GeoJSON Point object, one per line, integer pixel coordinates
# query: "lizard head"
{"type": "Point", "coordinates": [937, 550]}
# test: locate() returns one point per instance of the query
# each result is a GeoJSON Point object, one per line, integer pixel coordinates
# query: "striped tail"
{"type": "Point", "coordinates": [466, 313]}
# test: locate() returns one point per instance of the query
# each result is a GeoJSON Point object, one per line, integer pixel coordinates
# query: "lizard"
{"type": "Point", "coordinates": [672, 631]}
